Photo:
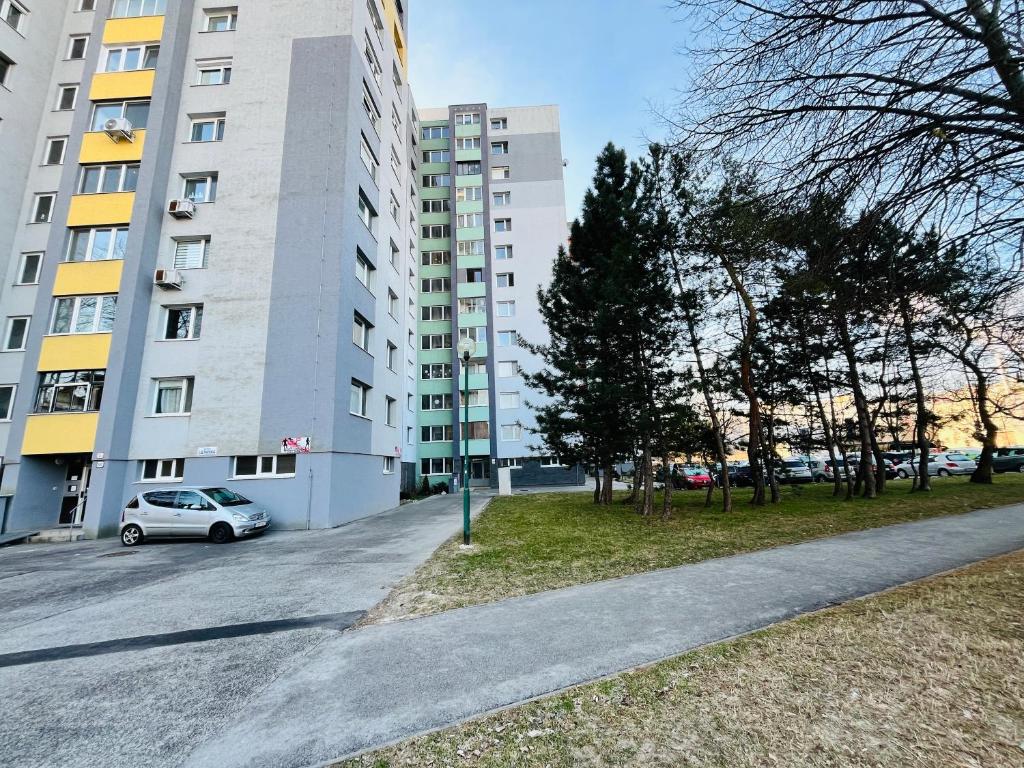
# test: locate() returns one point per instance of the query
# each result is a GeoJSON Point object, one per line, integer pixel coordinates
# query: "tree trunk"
{"type": "Point", "coordinates": [631, 499]}
{"type": "Point", "coordinates": [923, 482]}
{"type": "Point", "coordinates": [983, 472]}
{"type": "Point", "coordinates": [666, 499]}
{"type": "Point", "coordinates": [597, 481]}
{"type": "Point", "coordinates": [645, 499]}
{"type": "Point", "coordinates": [865, 477]}
{"type": "Point", "coordinates": [607, 488]}
{"type": "Point", "coordinates": [770, 459]}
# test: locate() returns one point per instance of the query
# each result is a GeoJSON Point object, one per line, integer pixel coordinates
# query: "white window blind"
{"type": "Point", "coordinates": [191, 254]}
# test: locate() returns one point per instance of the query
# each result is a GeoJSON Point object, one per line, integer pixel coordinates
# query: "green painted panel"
{"type": "Point", "coordinates": [434, 326]}
{"type": "Point", "coordinates": [434, 355]}
{"type": "Point", "coordinates": [432, 168]}
{"type": "Point", "coordinates": [433, 299]}
{"type": "Point", "coordinates": [436, 270]}
{"type": "Point", "coordinates": [478, 381]}
{"type": "Point", "coordinates": [435, 218]}
{"type": "Point", "coordinates": [479, 447]}
{"type": "Point", "coordinates": [476, 413]}
{"type": "Point", "coordinates": [468, 154]}
{"type": "Point", "coordinates": [434, 418]}
{"type": "Point", "coordinates": [468, 290]}
{"type": "Point", "coordinates": [473, 180]}
{"type": "Point", "coordinates": [470, 206]}
{"type": "Point", "coordinates": [469, 233]}
{"type": "Point", "coordinates": [435, 193]}
{"type": "Point", "coordinates": [434, 387]}
{"type": "Point", "coordinates": [467, 130]}
{"type": "Point", "coordinates": [472, 319]}
{"type": "Point", "coordinates": [436, 244]}
{"type": "Point", "coordinates": [428, 144]}
{"type": "Point", "coordinates": [434, 451]}
{"type": "Point", "coordinates": [470, 262]}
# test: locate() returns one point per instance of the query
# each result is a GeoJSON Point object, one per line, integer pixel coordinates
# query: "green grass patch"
{"type": "Point", "coordinates": [531, 543]}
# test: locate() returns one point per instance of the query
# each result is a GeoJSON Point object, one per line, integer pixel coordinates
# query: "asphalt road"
{"type": "Point", "coordinates": [129, 657]}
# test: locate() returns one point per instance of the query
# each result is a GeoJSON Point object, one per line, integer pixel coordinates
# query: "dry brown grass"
{"type": "Point", "coordinates": [931, 674]}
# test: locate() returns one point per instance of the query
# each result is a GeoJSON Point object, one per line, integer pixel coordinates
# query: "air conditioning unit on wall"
{"type": "Point", "coordinates": [118, 128]}
{"type": "Point", "coordinates": [181, 209]}
{"type": "Point", "coordinates": [168, 279]}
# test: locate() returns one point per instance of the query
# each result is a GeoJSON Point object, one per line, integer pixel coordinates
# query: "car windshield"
{"type": "Point", "coordinates": [694, 472]}
{"type": "Point", "coordinates": [794, 465]}
{"type": "Point", "coordinates": [226, 498]}
{"type": "Point", "coordinates": [956, 457]}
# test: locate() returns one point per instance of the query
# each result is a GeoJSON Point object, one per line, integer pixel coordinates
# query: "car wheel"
{"type": "Point", "coordinates": [903, 474]}
{"type": "Point", "coordinates": [819, 479]}
{"type": "Point", "coordinates": [131, 535]}
{"type": "Point", "coordinates": [1020, 469]}
{"type": "Point", "coordinates": [221, 533]}
{"type": "Point", "coordinates": [944, 473]}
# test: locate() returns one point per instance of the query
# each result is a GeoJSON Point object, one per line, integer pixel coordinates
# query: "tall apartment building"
{"type": "Point", "coordinates": [210, 255]}
{"type": "Point", "coordinates": [492, 218]}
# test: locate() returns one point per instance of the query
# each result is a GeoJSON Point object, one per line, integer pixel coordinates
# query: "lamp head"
{"type": "Point", "coordinates": [467, 348]}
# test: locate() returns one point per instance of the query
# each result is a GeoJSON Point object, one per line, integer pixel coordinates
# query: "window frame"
{"type": "Point", "coordinates": [74, 232]}
{"type": "Point", "coordinates": [48, 150]}
{"type": "Point", "coordinates": [207, 66]}
{"type": "Point", "coordinates": [195, 320]}
{"type": "Point", "coordinates": [63, 88]}
{"type": "Point", "coordinates": [210, 180]}
{"type": "Point", "coordinates": [177, 467]}
{"type": "Point", "coordinates": [364, 398]}
{"type": "Point", "coordinates": [217, 121]}
{"type": "Point", "coordinates": [231, 13]}
{"type": "Point", "coordinates": [187, 390]}
{"type": "Point", "coordinates": [72, 39]}
{"type": "Point", "coordinates": [37, 200]}
{"type": "Point", "coordinates": [204, 239]}
{"type": "Point", "coordinates": [22, 263]}
{"type": "Point", "coordinates": [12, 320]}
{"type": "Point", "coordinates": [74, 316]}
{"type": "Point", "coordinates": [5, 417]}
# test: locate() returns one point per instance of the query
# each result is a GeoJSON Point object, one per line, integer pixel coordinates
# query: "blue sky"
{"type": "Point", "coordinates": [603, 62]}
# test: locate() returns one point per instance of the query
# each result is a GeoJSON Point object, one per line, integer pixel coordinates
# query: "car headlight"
{"type": "Point", "coordinates": [239, 517]}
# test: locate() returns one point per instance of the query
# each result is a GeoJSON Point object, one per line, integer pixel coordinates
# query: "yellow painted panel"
{"type": "Point", "coordinates": [391, 14]}
{"type": "Point", "coordinates": [80, 278]}
{"type": "Point", "coordinates": [97, 147]}
{"type": "Point", "coordinates": [95, 210]}
{"type": "Point", "coordinates": [122, 85]}
{"type": "Point", "coordinates": [75, 352]}
{"type": "Point", "coordinates": [142, 29]}
{"type": "Point", "coordinates": [50, 433]}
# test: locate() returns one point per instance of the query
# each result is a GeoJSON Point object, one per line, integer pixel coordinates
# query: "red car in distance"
{"type": "Point", "coordinates": [696, 477]}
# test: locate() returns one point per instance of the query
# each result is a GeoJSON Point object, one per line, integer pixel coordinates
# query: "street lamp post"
{"type": "Point", "coordinates": [467, 347]}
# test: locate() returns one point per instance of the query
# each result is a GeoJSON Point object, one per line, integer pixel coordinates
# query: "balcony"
{"type": "Point", "coordinates": [56, 433]}
{"type": "Point", "coordinates": [139, 29]}
{"type": "Point", "coordinates": [78, 278]}
{"type": "Point", "coordinates": [75, 352]}
{"type": "Point", "coordinates": [97, 210]}
{"type": "Point", "coordinates": [122, 85]}
{"type": "Point", "coordinates": [98, 148]}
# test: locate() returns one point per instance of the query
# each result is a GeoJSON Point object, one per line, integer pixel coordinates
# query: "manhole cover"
{"type": "Point", "coordinates": [119, 554]}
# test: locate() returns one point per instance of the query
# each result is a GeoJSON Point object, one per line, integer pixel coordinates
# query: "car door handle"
{"type": "Point", "coordinates": [177, 514]}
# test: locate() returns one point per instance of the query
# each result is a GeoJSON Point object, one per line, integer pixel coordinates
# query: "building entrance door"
{"type": "Point", "coordinates": [76, 488]}
{"type": "Point", "coordinates": [480, 472]}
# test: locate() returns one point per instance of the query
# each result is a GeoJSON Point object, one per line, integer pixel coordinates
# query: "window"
{"type": "Point", "coordinates": [368, 157]}
{"type": "Point", "coordinates": [503, 225]}
{"type": "Point", "coordinates": [436, 285]}
{"type": "Point", "coordinates": [396, 123]}
{"type": "Point", "coordinates": [506, 279]}
{"type": "Point", "coordinates": [67, 96]}
{"type": "Point", "coordinates": [392, 357]}
{"type": "Point", "coordinates": [364, 269]}
{"type": "Point", "coordinates": [97, 244]}
{"type": "Point", "coordinates": [466, 194]}
{"type": "Point", "coordinates": [396, 164]}
{"type": "Point", "coordinates": [191, 253]}
{"type": "Point", "coordinates": [389, 465]}
{"type": "Point", "coordinates": [474, 276]}
{"type": "Point", "coordinates": [395, 252]}
{"type": "Point", "coordinates": [436, 341]}
{"type": "Point", "coordinates": [129, 8]}
{"type": "Point", "coordinates": [470, 248]}
{"type": "Point", "coordinates": [508, 400]}
{"type": "Point", "coordinates": [436, 312]}
{"type": "Point", "coordinates": [507, 338]}
{"type": "Point", "coordinates": [468, 142]}
{"type": "Point", "coordinates": [209, 128]}
{"type": "Point", "coordinates": [221, 20]}
{"type": "Point", "coordinates": [550, 461]}
{"type": "Point", "coordinates": [470, 306]}
{"type": "Point", "coordinates": [511, 463]}
{"type": "Point", "coordinates": [359, 398]}
{"type": "Point", "coordinates": [476, 366]}
{"type": "Point", "coordinates": [367, 213]}
{"type": "Point", "coordinates": [77, 46]}
{"type": "Point", "coordinates": [389, 411]}
{"type": "Point", "coordinates": [275, 465]}
{"type": "Point", "coordinates": [378, 25]}
{"type": "Point", "coordinates": [28, 269]}
{"type": "Point", "coordinates": [499, 147]}
{"type": "Point", "coordinates": [500, 173]}
{"type": "Point", "coordinates": [503, 252]}
{"type": "Point", "coordinates": [502, 198]}
{"type": "Point", "coordinates": [6, 65]}
{"type": "Point", "coordinates": [479, 430]}
{"type": "Point", "coordinates": [55, 147]}
{"type": "Point", "coordinates": [183, 323]}
{"type": "Point", "coordinates": [392, 303]}
{"type": "Point", "coordinates": [441, 466]}
{"type": "Point", "coordinates": [476, 397]}
{"type": "Point", "coordinates": [42, 208]}
{"type": "Point", "coordinates": [499, 123]}
{"type": "Point", "coordinates": [135, 112]}
{"type": "Point", "coordinates": [467, 220]}
{"type": "Point", "coordinates": [83, 314]}
{"type": "Point", "coordinates": [86, 5]}
{"type": "Point", "coordinates": [131, 58]}
{"type": "Point", "coordinates": [104, 179]}
{"type": "Point", "coordinates": [506, 309]}
{"type": "Point", "coordinates": [13, 14]}
{"type": "Point", "coordinates": [430, 132]}
{"type": "Point", "coordinates": [431, 371]}
{"type": "Point", "coordinates": [432, 180]}
{"type": "Point", "coordinates": [435, 231]}
{"type": "Point", "coordinates": [437, 434]}
{"type": "Point", "coordinates": [437, 156]}
{"type": "Point", "coordinates": [467, 169]}
{"type": "Point", "coordinates": [7, 392]}
{"type": "Point", "coordinates": [435, 258]}
{"type": "Point", "coordinates": [508, 368]}
{"type": "Point", "coordinates": [213, 72]}
{"type": "Point", "coordinates": [510, 432]}
{"type": "Point", "coordinates": [69, 391]}
{"type": "Point", "coordinates": [394, 207]}
{"type": "Point", "coordinates": [372, 110]}
{"type": "Point", "coordinates": [173, 396]}
{"type": "Point", "coordinates": [200, 189]}
{"type": "Point", "coordinates": [437, 206]}
{"type": "Point", "coordinates": [361, 332]}
{"type": "Point", "coordinates": [436, 402]}
{"type": "Point", "coordinates": [467, 118]}
{"type": "Point", "coordinates": [155, 470]}
{"type": "Point", "coordinates": [16, 334]}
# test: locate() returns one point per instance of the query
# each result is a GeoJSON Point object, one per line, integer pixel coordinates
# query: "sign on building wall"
{"type": "Point", "coordinates": [295, 445]}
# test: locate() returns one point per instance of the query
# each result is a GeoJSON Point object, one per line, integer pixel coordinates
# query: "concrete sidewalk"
{"type": "Point", "coordinates": [372, 686]}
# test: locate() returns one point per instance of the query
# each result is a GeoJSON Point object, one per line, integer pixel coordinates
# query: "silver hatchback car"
{"type": "Point", "coordinates": [218, 513]}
